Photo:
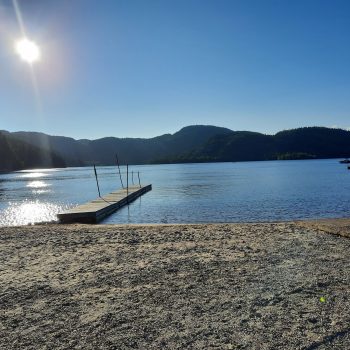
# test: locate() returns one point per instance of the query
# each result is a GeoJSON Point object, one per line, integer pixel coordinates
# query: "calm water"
{"type": "Point", "coordinates": [187, 193]}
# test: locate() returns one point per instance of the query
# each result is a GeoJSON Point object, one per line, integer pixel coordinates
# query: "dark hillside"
{"type": "Point", "coordinates": [17, 155]}
{"type": "Point", "coordinates": [302, 143]}
{"type": "Point", "coordinates": [238, 146]}
{"type": "Point", "coordinates": [197, 143]}
{"type": "Point", "coordinates": [318, 141]}
{"type": "Point", "coordinates": [130, 150]}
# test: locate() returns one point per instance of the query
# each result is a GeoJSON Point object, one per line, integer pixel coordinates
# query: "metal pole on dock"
{"type": "Point", "coordinates": [132, 177]}
{"type": "Point", "coordinates": [138, 174]}
{"type": "Point", "coordinates": [98, 187]}
{"type": "Point", "coordinates": [127, 179]}
{"type": "Point", "coordinates": [120, 175]}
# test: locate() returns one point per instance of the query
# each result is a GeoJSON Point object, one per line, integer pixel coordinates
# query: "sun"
{"type": "Point", "coordinates": [28, 50]}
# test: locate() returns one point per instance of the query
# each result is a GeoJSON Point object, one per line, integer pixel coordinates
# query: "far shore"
{"type": "Point", "coordinates": [282, 285]}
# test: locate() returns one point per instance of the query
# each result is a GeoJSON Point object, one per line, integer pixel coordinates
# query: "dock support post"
{"type": "Point", "coordinates": [98, 187]}
{"type": "Point", "coordinates": [120, 175]}
{"type": "Point", "coordinates": [127, 179]}
{"type": "Point", "coordinates": [138, 174]}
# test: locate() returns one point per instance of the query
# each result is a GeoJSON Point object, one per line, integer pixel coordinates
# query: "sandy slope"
{"type": "Point", "coordinates": [220, 286]}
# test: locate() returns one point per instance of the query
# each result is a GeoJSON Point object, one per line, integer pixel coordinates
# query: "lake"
{"type": "Point", "coordinates": [186, 193]}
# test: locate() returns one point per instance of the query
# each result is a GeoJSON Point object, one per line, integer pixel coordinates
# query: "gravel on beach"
{"type": "Point", "coordinates": [211, 286]}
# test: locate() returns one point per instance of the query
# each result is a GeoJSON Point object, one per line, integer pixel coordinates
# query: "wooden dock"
{"type": "Point", "coordinates": [98, 209]}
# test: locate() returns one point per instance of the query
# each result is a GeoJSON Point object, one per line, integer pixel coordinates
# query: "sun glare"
{"type": "Point", "coordinates": [28, 50]}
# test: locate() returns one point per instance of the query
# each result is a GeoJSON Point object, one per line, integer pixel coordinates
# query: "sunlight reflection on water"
{"type": "Point", "coordinates": [37, 184]}
{"type": "Point", "coordinates": [40, 191]}
{"type": "Point", "coordinates": [33, 175]}
{"type": "Point", "coordinates": [29, 212]}
{"type": "Point", "coordinates": [51, 170]}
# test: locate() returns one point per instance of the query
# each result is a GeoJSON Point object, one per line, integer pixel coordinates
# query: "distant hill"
{"type": "Point", "coordinates": [197, 143]}
{"type": "Point", "coordinates": [17, 155]}
{"type": "Point", "coordinates": [302, 143]}
{"type": "Point", "coordinates": [130, 150]}
{"type": "Point", "coordinates": [317, 141]}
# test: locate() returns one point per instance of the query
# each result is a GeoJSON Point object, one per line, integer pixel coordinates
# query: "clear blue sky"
{"type": "Point", "coordinates": [141, 68]}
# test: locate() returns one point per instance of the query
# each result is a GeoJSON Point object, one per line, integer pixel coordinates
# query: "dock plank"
{"type": "Point", "coordinates": [97, 209]}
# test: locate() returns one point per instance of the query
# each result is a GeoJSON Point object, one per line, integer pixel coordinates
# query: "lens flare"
{"type": "Point", "coordinates": [28, 50]}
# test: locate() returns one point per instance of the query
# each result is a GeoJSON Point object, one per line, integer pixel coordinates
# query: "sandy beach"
{"type": "Point", "coordinates": [216, 286]}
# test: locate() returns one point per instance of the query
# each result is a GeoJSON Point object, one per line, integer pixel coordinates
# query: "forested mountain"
{"type": "Point", "coordinates": [17, 155]}
{"type": "Point", "coordinates": [302, 143]}
{"type": "Point", "coordinates": [199, 143]}
{"type": "Point", "coordinates": [318, 142]}
{"type": "Point", "coordinates": [130, 150]}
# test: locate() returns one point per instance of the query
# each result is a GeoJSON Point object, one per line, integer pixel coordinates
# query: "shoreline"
{"type": "Point", "coordinates": [227, 286]}
{"type": "Point", "coordinates": [324, 220]}
{"type": "Point", "coordinates": [336, 226]}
